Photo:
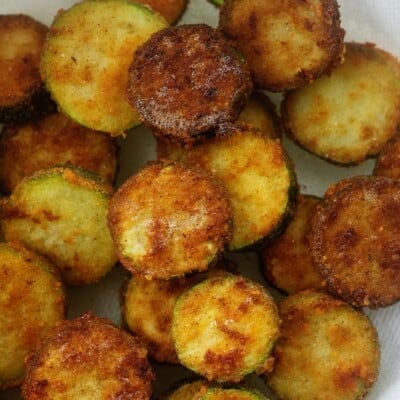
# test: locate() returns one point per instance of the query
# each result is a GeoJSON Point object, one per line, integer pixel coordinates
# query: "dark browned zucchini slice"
{"type": "Point", "coordinates": [388, 160]}
{"type": "Point", "coordinates": [355, 240]}
{"type": "Point", "coordinates": [88, 358]}
{"type": "Point", "coordinates": [89, 82]}
{"type": "Point", "coordinates": [60, 213]}
{"type": "Point", "coordinates": [224, 328]}
{"type": "Point", "coordinates": [186, 81]}
{"type": "Point", "coordinates": [286, 261]}
{"type": "Point", "coordinates": [22, 93]}
{"type": "Point", "coordinates": [50, 141]}
{"type": "Point", "coordinates": [350, 115]}
{"type": "Point", "coordinates": [327, 350]}
{"type": "Point", "coordinates": [169, 219]}
{"type": "Point", "coordinates": [172, 10]}
{"type": "Point", "coordinates": [286, 43]}
{"type": "Point", "coordinates": [258, 176]}
{"type": "Point", "coordinates": [32, 302]}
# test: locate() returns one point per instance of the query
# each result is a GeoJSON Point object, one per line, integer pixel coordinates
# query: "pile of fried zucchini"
{"type": "Point", "coordinates": [221, 183]}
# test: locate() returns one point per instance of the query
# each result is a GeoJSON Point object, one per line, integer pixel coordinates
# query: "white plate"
{"type": "Point", "coordinates": [374, 21]}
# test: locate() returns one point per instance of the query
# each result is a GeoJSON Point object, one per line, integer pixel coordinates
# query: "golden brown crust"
{"type": "Point", "coordinates": [172, 10]}
{"type": "Point", "coordinates": [22, 93]}
{"type": "Point", "coordinates": [186, 81]}
{"type": "Point", "coordinates": [287, 44]}
{"type": "Point", "coordinates": [327, 350]}
{"type": "Point", "coordinates": [388, 160]}
{"type": "Point", "coordinates": [32, 302]}
{"type": "Point", "coordinates": [54, 140]}
{"type": "Point", "coordinates": [169, 219]}
{"type": "Point", "coordinates": [86, 358]}
{"type": "Point", "coordinates": [354, 240]}
{"type": "Point", "coordinates": [286, 261]}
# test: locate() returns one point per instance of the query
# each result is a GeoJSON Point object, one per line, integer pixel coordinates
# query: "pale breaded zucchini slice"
{"type": "Point", "coordinates": [224, 328]}
{"type": "Point", "coordinates": [287, 43]}
{"type": "Point", "coordinates": [327, 350]}
{"type": "Point", "coordinates": [350, 115]}
{"type": "Point", "coordinates": [388, 160]}
{"type": "Point", "coordinates": [286, 261]}
{"type": "Point", "coordinates": [32, 302]}
{"type": "Point", "coordinates": [147, 306]}
{"type": "Point", "coordinates": [22, 92]}
{"type": "Point", "coordinates": [50, 141]}
{"type": "Point", "coordinates": [88, 358]}
{"type": "Point", "coordinates": [171, 10]}
{"type": "Point", "coordinates": [258, 176]}
{"type": "Point", "coordinates": [186, 81]}
{"type": "Point", "coordinates": [202, 390]}
{"type": "Point", "coordinates": [88, 82]}
{"type": "Point", "coordinates": [60, 213]}
{"type": "Point", "coordinates": [355, 240]}
{"type": "Point", "coordinates": [169, 219]}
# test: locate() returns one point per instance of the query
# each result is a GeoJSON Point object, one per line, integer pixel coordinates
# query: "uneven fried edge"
{"type": "Point", "coordinates": [221, 232]}
{"type": "Point", "coordinates": [335, 194]}
{"type": "Point", "coordinates": [35, 101]}
{"type": "Point", "coordinates": [388, 160]}
{"type": "Point", "coordinates": [227, 89]}
{"type": "Point", "coordinates": [79, 329]}
{"type": "Point", "coordinates": [22, 147]}
{"type": "Point", "coordinates": [297, 311]}
{"type": "Point", "coordinates": [332, 43]}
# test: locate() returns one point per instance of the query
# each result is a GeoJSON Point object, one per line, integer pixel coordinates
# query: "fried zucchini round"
{"type": "Point", "coordinates": [202, 390]}
{"type": "Point", "coordinates": [327, 350]}
{"type": "Point", "coordinates": [50, 141]}
{"type": "Point", "coordinates": [225, 327]}
{"type": "Point", "coordinates": [147, 307]}
{"type": "Point", "coordinates": [172, 10]}
{"type": "Point", "coordinates": [258, 176]}
{"type": "Point", "coordinates": [186, 81]}
{"type": "Point", "coordinates": [388, 160]}
{"type": "Point", "coordinates": [355, 240]}
{"type": "Point", "coordinates": [350, 115]}
{"type": "Point", "coordinates": [22, 93]}
{"type": "Point", "coordinates": [88, 358]}
{"type": "Point", "coordinates": [32, 302]}
{"type": "Point", "coordinates": [89, 82]}
{"type": "Point", "coordinates": [169, 219]}
{"type": "Point", "coordinates": [286, 261]}
{"type": "Point", "coordinates": [60, 213]}
{"type": "Point", "coordinates": [286, 43]}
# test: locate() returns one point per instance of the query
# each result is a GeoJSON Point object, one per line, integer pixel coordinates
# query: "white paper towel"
{"type": "Point", "coordinates": [376, 21]}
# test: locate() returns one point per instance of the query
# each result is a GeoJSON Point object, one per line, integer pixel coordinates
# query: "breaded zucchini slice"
{"type": "Point", "coordinates": [22, 93]}
{"type": "Point", "coordinates": [327, 350]}
{"type": "Point", "coordinates": [258, 176]}
{"type": "Point", "coordinates": [147, 307]}
{"type": "Point", "coordinates": [355, 240]}
{"type": "Point", "coordinates": [169, 219]}
{"type": "Point", "coordinates": [88, 358]}
{"type": "Point", "coordinates": [350, 115]}
{"type": "Point", "coordinates": [50, 141]}
{"type": "Point", "coordinates": [60, 213]}
{"type": "Point", "coordinates": [225, 327]}
{"type": "Point", "coordinates": [388, 160]}
{"type": "Point", "coordinates": [186, 81]}
{"type": "Point", "coordinates": [286, 261]}
{"type": "Point", "coordinates": [89, 82]}
{"type": "Point", "coordinates": [32, 302]}
{"type": "Point", "coordinates": [287, 43]}
{"type": "Point", "coordinates": [202, 390]}
{"type": "Point", "coordinates": [171, 10]}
